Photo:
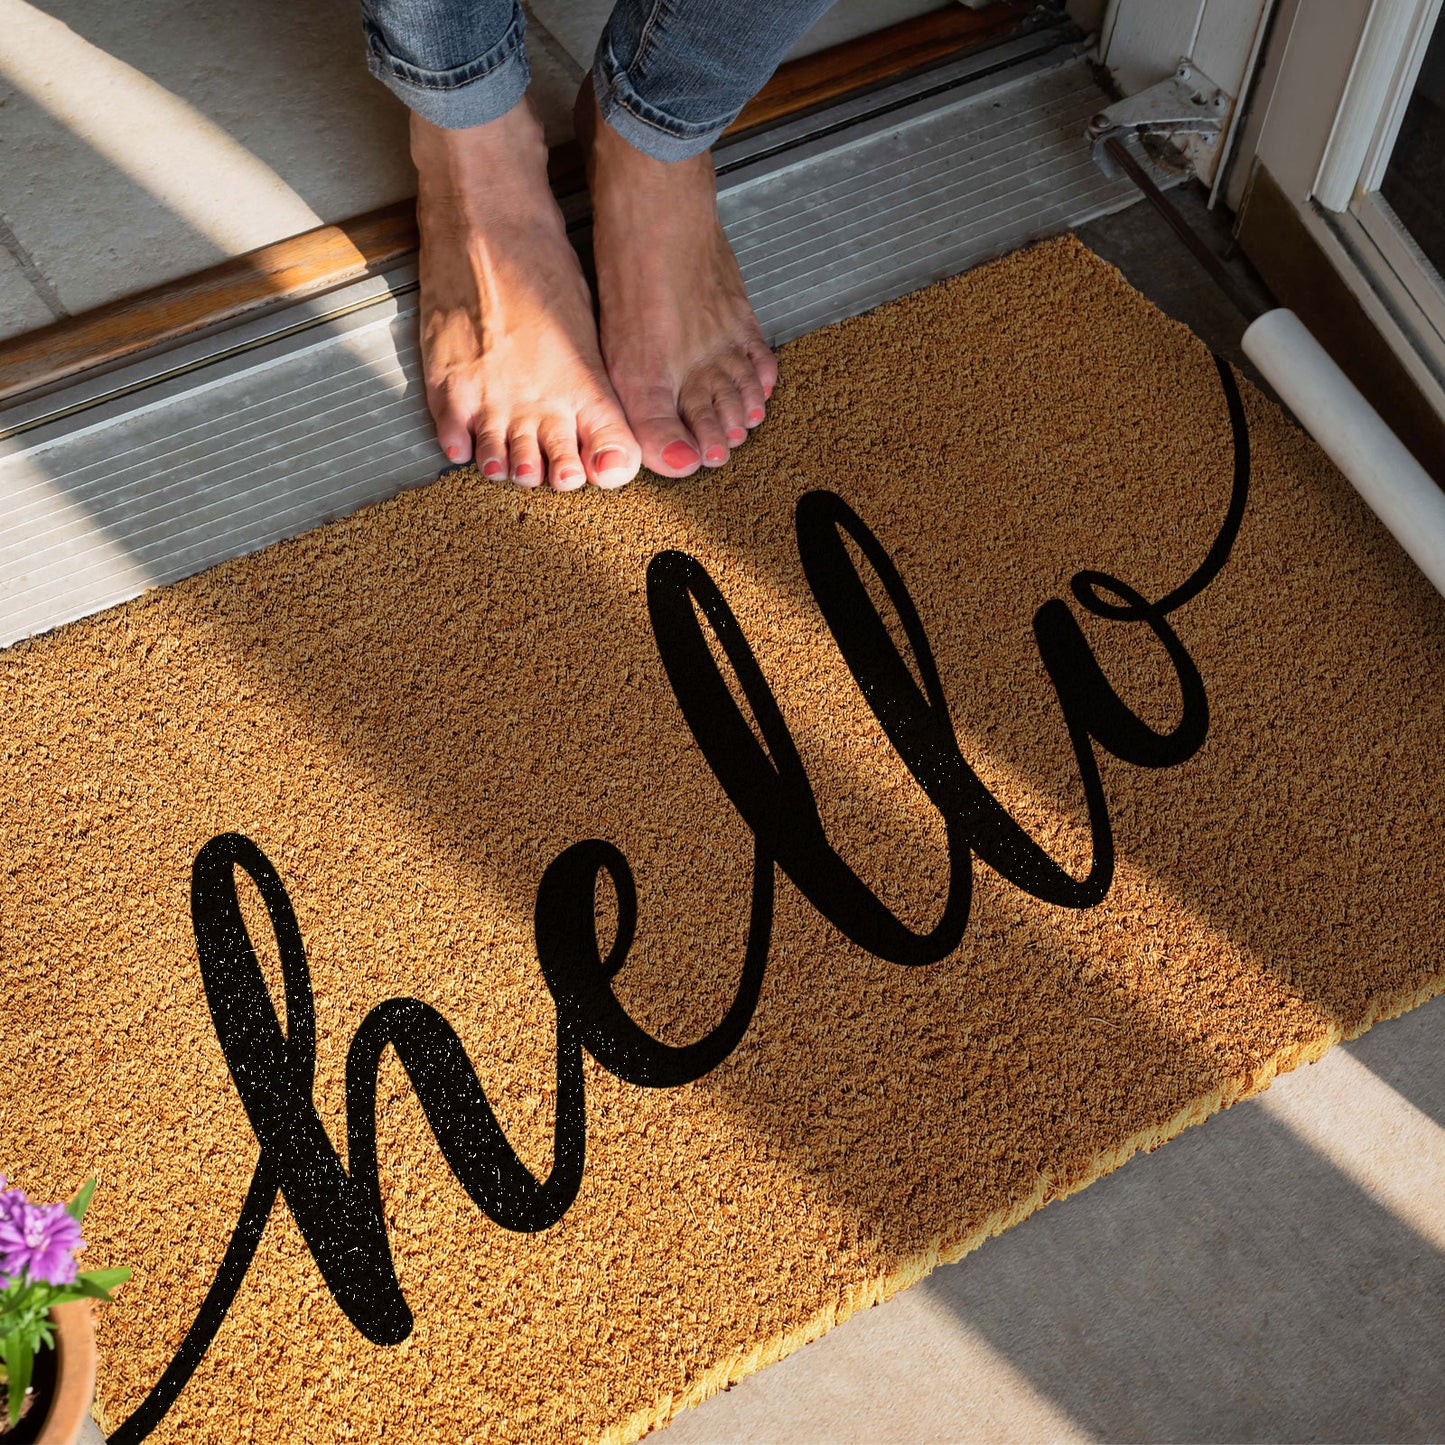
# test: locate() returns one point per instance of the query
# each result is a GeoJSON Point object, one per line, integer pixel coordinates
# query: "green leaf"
{"type": "Point", "coordinates": [77, 1206]}
{"type": "Point", "coordinates": [18, 1359]}
{"type": "Point", "coordinates": [23, 1311]}
{"type": "Point", "coordinates": [98, 1283]}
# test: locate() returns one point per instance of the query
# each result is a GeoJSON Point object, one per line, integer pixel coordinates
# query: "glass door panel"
{"type": "Point", "coordinates": [1414, 179]}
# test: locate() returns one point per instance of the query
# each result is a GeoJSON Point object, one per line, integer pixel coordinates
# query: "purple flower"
{"type": "Point", "coordinates": [10, 1199]}
{"type": "Point", "coordinates": [36, 1241]}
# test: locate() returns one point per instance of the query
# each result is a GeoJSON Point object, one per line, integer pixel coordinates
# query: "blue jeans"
{"type": "Point", "coordinates": [670, 75]}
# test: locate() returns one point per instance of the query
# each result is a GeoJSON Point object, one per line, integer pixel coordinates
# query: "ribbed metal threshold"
{"type": "Point", "coordinates": [172, 464]}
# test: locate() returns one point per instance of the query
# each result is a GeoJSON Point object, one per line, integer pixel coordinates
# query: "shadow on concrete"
{"type": "Point", "coordinates": [1233, 1286]}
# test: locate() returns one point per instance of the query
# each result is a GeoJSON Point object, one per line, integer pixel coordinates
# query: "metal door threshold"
{"type": "Point", "coordinates": [166, 466]}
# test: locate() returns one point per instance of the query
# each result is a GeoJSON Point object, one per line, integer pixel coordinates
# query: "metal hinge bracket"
{"type": "Point", "coordinates": [1189, 103]}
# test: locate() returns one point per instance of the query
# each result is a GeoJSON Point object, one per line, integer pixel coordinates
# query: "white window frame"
{"type": "Point", "coordinates": [1342, 75]}
{"type": "Point", "coordinates": [1370, 219]}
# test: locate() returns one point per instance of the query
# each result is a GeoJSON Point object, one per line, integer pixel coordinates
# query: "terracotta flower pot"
{"type": "Point", "coordinates": [74, 1377]}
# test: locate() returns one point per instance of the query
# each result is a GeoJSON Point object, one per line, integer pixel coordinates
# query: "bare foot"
{"type": "Point", "coordinates": [682, 345]}
{"type": "Point", "coordinates": [514, 377]}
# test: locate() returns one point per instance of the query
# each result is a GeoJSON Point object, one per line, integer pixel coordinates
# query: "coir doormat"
{"type": "Point", "coordinates": [517, 963]}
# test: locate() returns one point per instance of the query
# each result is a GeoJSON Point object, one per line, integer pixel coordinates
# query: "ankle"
{"type": "Point", "coordinates": [606, 148]}
{"type": "Point", "coordinates": [507, 153]}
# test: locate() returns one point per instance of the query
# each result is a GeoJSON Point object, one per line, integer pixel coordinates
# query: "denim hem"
{"type": "Point", "coordinates": [652, 131]}
{"type": "Point", "coordinates": [466, 95]}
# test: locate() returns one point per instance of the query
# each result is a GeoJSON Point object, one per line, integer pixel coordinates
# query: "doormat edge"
{"type": "Point", "coordinates": [877, 1291]}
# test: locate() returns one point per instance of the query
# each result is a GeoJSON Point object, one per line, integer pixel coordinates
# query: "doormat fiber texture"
{"type": "Point", "coordinates": [881, 994]}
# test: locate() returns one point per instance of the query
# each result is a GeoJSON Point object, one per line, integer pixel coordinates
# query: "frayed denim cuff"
{"type": "Point", "coordinates": [467, 95]}
{"type": "Point", "coordinates": [650, 130]}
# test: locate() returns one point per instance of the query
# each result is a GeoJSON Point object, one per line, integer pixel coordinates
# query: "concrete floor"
{"type": "Point", "coordinates": [146, 141]}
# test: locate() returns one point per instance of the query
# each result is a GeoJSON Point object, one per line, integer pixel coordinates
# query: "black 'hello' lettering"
{"type": "Point", "coordinates": [338, 1209]}
{"type": "Point", "coordinates": [580, 980]}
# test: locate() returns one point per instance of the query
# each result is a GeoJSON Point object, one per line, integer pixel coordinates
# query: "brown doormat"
{"type": "Point", "coordinates": [971, 790]}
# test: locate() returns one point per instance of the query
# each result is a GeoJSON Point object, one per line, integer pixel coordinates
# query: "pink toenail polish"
{"type": "Point", "coordinates": [612, 460]}
{"type": "Point", "coordinates": [456, 454]}
{"type": "Point", "coordinates": [717, 454]}
{"type": "Point", "coordinates": [736, 434]}
{"type": "Point", "coordinates": [679, 455]}
{"type": "Point", "coordinates": [755, 415]}
{"type": "Point", "coordinates": [525, 469]}
{"type": "Point", "coordinates": [493, 468]}
{"type": "Point", "coordinates": [767, 391]}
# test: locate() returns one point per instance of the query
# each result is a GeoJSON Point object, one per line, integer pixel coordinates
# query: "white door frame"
{"type": "Point", "coordinates": [1341, 76]}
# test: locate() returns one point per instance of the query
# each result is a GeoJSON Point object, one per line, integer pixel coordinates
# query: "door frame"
{"type": "Point", "coordinates": [1327, 113]}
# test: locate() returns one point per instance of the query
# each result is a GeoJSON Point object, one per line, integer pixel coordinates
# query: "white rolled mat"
{"type": "Point", "coordinates": [1397, 488]}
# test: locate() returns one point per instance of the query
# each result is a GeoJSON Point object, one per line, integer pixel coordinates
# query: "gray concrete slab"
{"type": "Point", "coordinates": [22, 307]}
{"type": "Point", "coordinates": [149, 141]}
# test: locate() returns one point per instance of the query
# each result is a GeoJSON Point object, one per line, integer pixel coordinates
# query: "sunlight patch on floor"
{"type": "Point", "coordinates": [165, 145]}
{"type": "Point", "coordinates": [1373, 1135]}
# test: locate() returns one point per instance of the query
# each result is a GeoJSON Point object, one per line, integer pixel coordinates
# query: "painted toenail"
{"type": "Point", "coordinates": [717, 454]}
{"type": "Point", "coordinates": [736, 434]}
{"type": "Point", "coordinates": [493, 469]}
{"type": "Point", "coordinates": [679, 455]}
{"type": "Point", "coordinates": [456, 453]}
{"type": "Point", "coordinates": [612, 460]}
{"type": "Point", "coordinates": [755, 415]}
{"type": "Point", "coordinates": [570, 475]}
{"type": "Point", "coordinates": [767, 391]}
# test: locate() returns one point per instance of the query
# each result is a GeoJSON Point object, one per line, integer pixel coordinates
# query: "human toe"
{"type": "Point", "coordinates": [668, 447]}
{"type": "Point", "coordinates": [526, 457]}
{"type": "Point", "coordinates": [731, 413]}
{"type": "Point", "coordinates": [565, 471]}
{"type": "Point", "coordinates": [610, 453]}
{"type": "Point", "coordinates": [491, 454]}
{"type": "Point", "coordinates": [454, 430]}
{"type": "Point", "coordinates": [764, 364]}
{"type": "Point", "coordinates": [703, 421]}
{"type": "Point", "coordinates": [750, 396]}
